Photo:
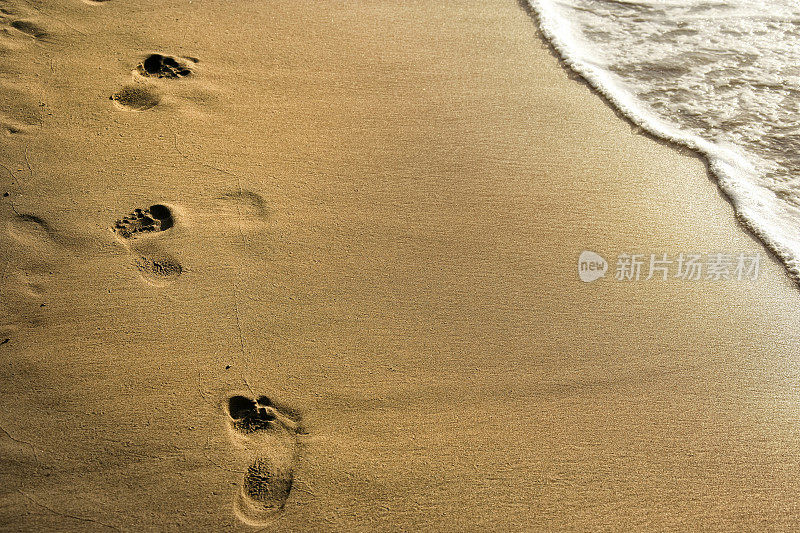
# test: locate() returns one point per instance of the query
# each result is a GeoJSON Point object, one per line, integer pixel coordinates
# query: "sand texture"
{"type": "Point", "coordinates": [310, 266]}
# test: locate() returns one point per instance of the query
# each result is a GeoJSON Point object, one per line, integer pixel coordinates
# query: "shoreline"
{"type": "Point", "coordinates": [720, 169]}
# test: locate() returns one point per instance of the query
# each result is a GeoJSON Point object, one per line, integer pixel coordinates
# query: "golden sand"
{"type": "Point", "coordinates": [377, 207]}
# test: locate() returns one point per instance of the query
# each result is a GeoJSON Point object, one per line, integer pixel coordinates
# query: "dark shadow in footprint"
{"type": "Point", "coordinates": [30, 28]}
{"type": "Point", "coordinates": [264, 401]}
{"type": "Point", "coordinates": [33, 220]}
{"type": "Point", "coordinates": [163, 66]}
{"type": "Point", "coordinates": [157, 217]}
{"type": "Point", "coordinates": [137, 97]}
{"type": "Point", "coordinates": [269, 436]}
{"type": "Point", "coordinates": [240, 407]}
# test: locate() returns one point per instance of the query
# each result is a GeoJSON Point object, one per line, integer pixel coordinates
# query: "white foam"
{"type": "Point", "coordinates": [722, 79]}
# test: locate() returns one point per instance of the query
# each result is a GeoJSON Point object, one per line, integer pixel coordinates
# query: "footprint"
{"type": "Point", "coordinates": [32, 231]}
{"type": "Point", "coordinates": [20, 111]}
{"type": "Point", "coordinates": [31, 284]}
{"type": "Point", "coordinates": [137, 97]}
{"type": "Point", "coordinates": [243, 209]}
{"type": "Point", "coordinates": [156, 266]}
{"type": "Point", "coordinates": [157, 217]}
{"type": "Point", "coordinates": [268, 435]}
{"type": "Point", "coordinates": [32, 251]}
{"type": "Point", "coordinates": [15, 21]}
{"type": "Point", "coordinates": [13, 127]}
{"type": "Point", "coordinates": [30, 28]}
{"type": "Point", "coordinates": [163, 66]}
{"type": "Point", "coordinates": [31, 241]}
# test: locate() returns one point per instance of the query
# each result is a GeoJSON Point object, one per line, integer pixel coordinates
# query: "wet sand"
{"type": "Point", "coordinates": [377, 211]}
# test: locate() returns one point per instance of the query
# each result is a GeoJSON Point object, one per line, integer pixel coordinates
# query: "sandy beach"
{"type": "Point", "coordinates": [375, 213]}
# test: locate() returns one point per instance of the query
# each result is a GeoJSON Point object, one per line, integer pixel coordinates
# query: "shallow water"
{"type": "Point", "coordinates": [722, 78]}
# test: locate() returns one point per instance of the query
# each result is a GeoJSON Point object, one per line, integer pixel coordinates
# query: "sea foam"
{"type": "Point", "coordinates": [721, 78]}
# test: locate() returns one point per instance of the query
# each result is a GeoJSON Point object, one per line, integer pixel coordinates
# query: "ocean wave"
{"type": "Point", "coordinates": [722, 79]}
